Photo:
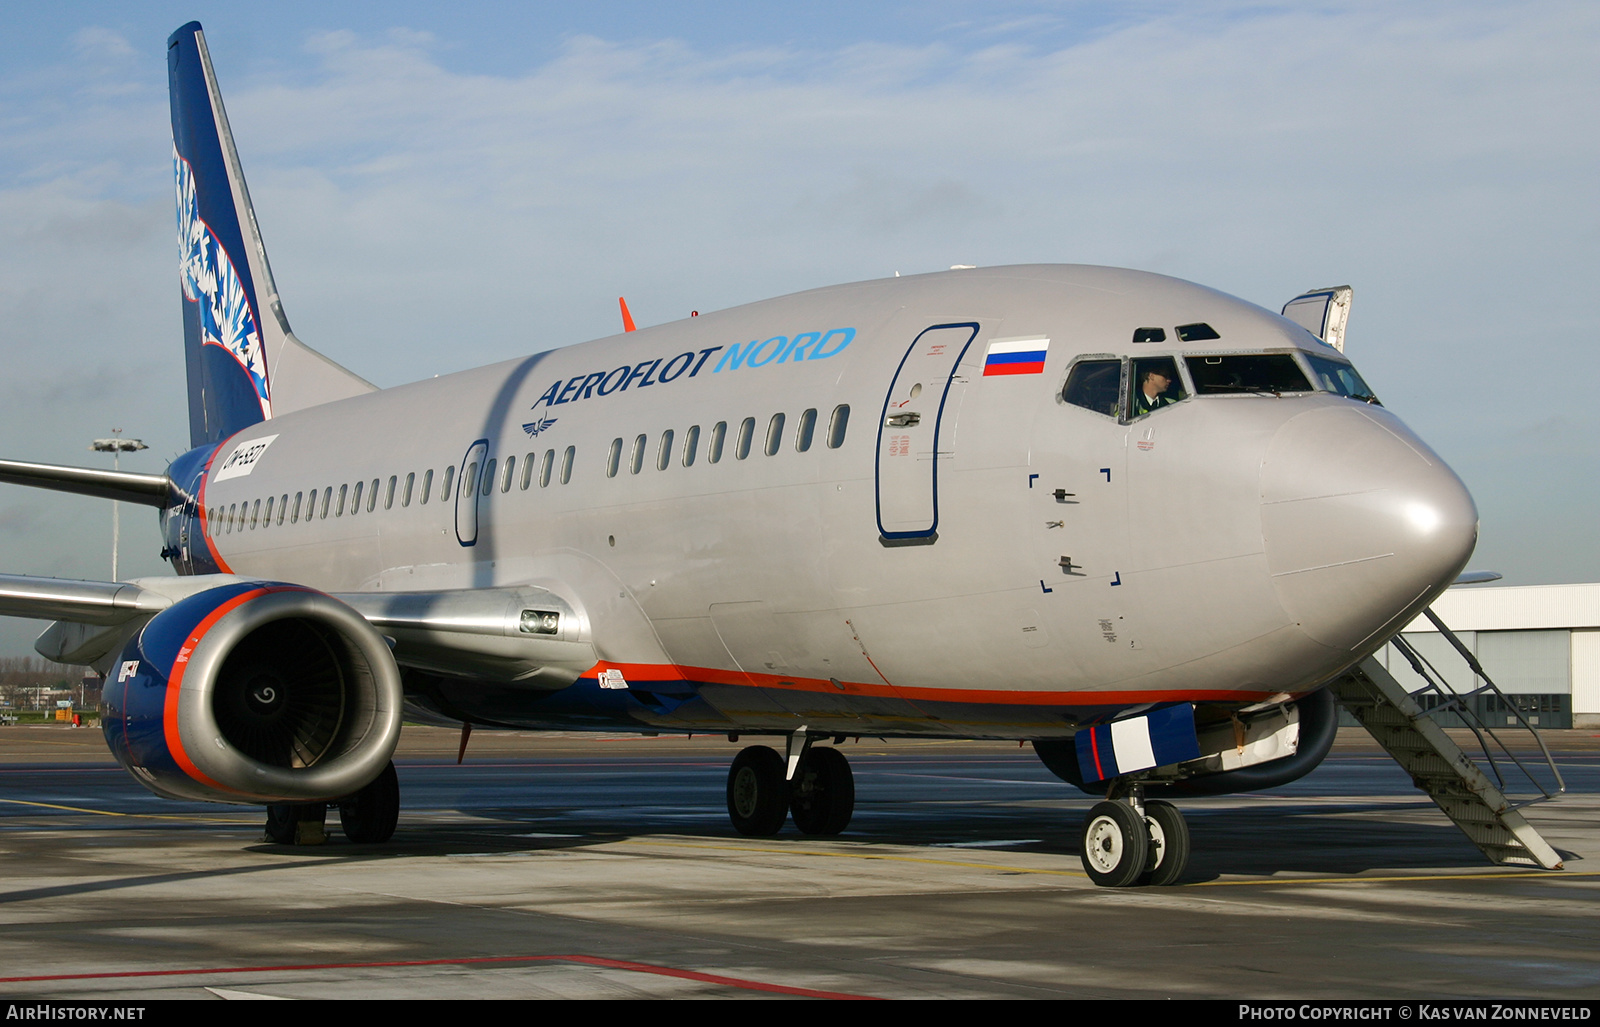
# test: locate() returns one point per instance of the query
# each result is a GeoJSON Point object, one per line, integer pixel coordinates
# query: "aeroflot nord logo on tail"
{"type": "Point", "coordinates": [780, 349]}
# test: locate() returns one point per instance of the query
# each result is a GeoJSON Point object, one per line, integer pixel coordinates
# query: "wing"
{"type": "Point", "coordinates": [526, 634]}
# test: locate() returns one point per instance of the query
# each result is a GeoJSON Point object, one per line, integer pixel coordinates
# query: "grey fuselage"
{"type": "Point", "coordinates": [978, 558]}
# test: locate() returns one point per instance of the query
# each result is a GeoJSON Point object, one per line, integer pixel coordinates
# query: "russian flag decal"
{"type": "Point", "coordinates": [1016, 356]}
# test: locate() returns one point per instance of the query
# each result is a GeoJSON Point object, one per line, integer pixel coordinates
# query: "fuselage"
{"type": "Point", "coordinates": [840, 508]}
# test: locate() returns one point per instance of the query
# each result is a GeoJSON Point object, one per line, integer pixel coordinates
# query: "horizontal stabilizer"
{"type": "Point", "coordinates": [125, 486]}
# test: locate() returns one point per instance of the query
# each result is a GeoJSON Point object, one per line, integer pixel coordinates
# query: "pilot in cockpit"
{"type": "Point", "coordinates": [1154, 384]}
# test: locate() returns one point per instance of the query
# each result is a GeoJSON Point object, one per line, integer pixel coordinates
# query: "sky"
{"type": "Point", "coordinates": [442, 189]}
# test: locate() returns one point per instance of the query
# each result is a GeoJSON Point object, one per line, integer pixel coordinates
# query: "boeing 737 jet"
{"type": "Point", "coordinates": [1131, 520]}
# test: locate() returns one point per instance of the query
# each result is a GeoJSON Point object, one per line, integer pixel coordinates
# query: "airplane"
{"type": "Point", "coordinates": [1133, 521]}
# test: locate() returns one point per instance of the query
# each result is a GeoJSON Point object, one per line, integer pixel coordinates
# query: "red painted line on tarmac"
{"type": "Point", "coordinates": [601, 961]}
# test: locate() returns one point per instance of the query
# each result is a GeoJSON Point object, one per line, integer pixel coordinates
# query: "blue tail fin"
{"type": "Point", "coordinates": [244, 363]}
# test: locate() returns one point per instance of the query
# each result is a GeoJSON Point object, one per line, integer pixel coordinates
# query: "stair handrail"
{"type": "Point", "coordinates": [1470, 718]}
{"type": "Point", "coordinates": [1477, 668]}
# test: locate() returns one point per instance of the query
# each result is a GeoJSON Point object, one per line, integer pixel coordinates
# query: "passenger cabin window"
{"type": "Point", "coordinates": [1095, 385]}
{"type": "Point", "coordinates": [719, 433]}
{"type": "Point", "coordinates": [691, 445]}
{"type": "Point", "coordinates": [774, 434]}
{"type": "Point", "coordinates": [527, 471]}
{"type": "Point", "coordinates": [566, 464]}
{"type": "Point", "coordinates": [747, 428]}
{"type": "Point", "coordinates": [1340, 378]}
{"type": "Point", "coordinates": [1156, 384]}
{"type": "Point", "coordinates": [486, 485]}
{"type": "Point", "coordinates": [388, 496]}
{"type": "Point", "coordinates": [411, 481]}
{"type": "Point", "coordinates": [255, 513]}
{"type": "Point", "coordinates": [546, 467]}
{"type": "Point", "coordinates": [614, 459]}
{"type": "Point", "coordinates": [427, 484]}
{"type": "Point", "coordinates": [510, 473]}
{"type": "Point", "coordinates": [444, 488]}
{"type": "Point", "coordinates": [296, 515]}
{"type": "Point", "coordinates": [837, 425]}
{"type": "Point", "coordinates": [636, 461]}
{"type": "Point", "coordinates": [1268, 373]}
{"type": "Point", "coordinates": [469, 477]}
{"type": "Point", "coordinates": [355, 498]}
{"type": "Point", "coordinates": [664, 451]}
{"type": "Point", "coordinates": [344, 491]}
{"type": "Point", "coordinates": [327, 500]}
{"type": "Point", "coordinates": [807, 428]}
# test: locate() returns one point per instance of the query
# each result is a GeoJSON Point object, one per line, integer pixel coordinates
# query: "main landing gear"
{"type": "Point", "coordinates": [814, 785]}
{"type": "Point", "coordinates": [368, 817]}
{"type": "Point", "coordinates": [1129, 840]}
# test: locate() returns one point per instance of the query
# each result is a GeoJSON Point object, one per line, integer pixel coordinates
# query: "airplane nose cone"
{"type": "Point", "coordinates": [1361, 522]}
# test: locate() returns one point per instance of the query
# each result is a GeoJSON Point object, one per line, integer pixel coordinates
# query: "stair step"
{"type": "Point", "coordinates": [1440, 769]}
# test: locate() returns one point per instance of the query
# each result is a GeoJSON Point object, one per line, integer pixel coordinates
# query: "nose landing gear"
{"type": "Point", "coordinates": [1128, 841]}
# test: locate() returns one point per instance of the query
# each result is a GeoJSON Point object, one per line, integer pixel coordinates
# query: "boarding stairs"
{"type": "Point", "coordinates": [1405, 723]}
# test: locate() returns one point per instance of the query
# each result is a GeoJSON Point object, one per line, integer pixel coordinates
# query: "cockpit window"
{"type": "Point", "coordinates": [1156, 384]}
{"type": "Point", "coordinates": [1149, 335]}
{"type": "Point", "coordinates": [1271, 373]}
{"type": "Point", "coordinates": [1340, 378]}
{"type": "Point", "coordinates": [1197, 332]}
{"type": "Point", "coordinates": [1095, 385]}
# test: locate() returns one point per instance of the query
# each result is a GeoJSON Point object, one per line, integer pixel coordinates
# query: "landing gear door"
{"type": "Point", "coordinates": [467, 493]}
{"type": "Point", "coordinates": [912, 434]}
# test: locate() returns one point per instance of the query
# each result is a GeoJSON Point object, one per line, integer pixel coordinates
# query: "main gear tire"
{"type": "Point", "coordinates": [822, 797]}
{"type": "Point", "coordinates": [758, 795]}
{"type": "Point", "coordinates": [369, 816]}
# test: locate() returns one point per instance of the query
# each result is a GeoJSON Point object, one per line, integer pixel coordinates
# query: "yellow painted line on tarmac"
{"type": "Point", "coordinates": [866, 855]}
{"type": "Point", "coordinates": [113, 813]}
{"type": "Point", "coordinates": [1531, 875]}
{"type": "Point", "coordinates": [1527, 875]}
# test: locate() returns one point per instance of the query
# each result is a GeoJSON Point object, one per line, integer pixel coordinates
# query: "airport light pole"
{"type": "Point", "coordinates": [116, 446]}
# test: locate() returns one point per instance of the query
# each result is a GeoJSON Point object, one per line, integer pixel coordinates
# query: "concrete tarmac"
{"type": "Point", "coordinates": [605, 867]}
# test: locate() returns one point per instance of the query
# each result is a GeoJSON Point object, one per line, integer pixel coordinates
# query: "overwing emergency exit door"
{"type": "Point", "coordinates": [911, 431]}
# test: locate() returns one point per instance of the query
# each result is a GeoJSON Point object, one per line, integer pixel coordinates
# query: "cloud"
{"type": "Point", "coordinates": [424, 215]}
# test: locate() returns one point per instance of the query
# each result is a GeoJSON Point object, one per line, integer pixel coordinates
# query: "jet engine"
{"type": "Point", "coordinates": [254, 692]}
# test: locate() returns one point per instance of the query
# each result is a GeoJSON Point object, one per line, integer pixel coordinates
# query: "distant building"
{"type": "Point", "coordinates": [1539, 643]}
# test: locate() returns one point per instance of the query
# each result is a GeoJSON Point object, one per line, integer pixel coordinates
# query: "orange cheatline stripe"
{"type": "Point", "coordinates": [169, 718]}
{"type": "Point", "coordinates": [627, 318]}
{"type": "Point", "coordinates": [648, 672]}
{"type": "Point", "coordinates": [205, 521]}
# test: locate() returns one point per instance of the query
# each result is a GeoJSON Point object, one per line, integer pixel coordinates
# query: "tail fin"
{"type": "Point", "coordinates": [244, 363]}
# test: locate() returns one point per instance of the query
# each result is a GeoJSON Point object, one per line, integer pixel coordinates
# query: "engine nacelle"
{"type": "Point", "coordinates": [254, 692]}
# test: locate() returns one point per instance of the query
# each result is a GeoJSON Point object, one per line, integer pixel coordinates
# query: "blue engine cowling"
{"type": "Point", "coordinates": [254, 692]}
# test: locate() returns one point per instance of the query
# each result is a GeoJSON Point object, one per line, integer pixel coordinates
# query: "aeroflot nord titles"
{"type": "Point", "coordinates": [1134, 521]}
